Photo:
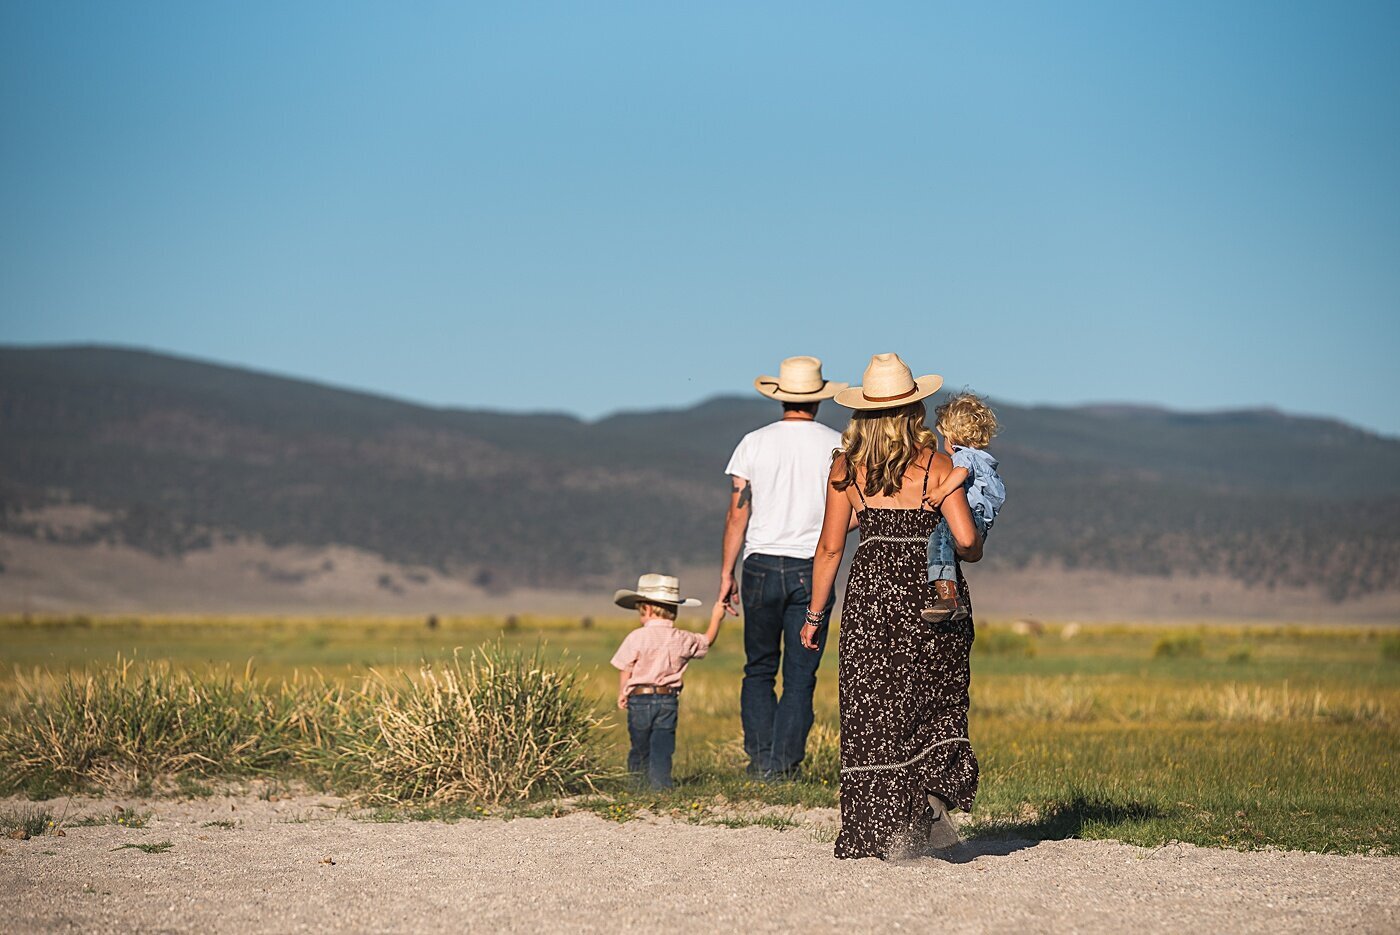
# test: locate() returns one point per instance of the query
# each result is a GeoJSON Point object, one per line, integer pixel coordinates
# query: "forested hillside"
{"type": "Point", "coordinates": [173, 454]}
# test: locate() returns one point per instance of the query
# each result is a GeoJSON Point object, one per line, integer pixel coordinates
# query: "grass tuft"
{"type": "Point", "coordinates": [22, 823]}
{"type": "Point", "coordinates": [501, 727]}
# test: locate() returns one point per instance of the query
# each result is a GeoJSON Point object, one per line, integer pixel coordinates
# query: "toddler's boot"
{"type": "Point", "coordinates": [946, 605]}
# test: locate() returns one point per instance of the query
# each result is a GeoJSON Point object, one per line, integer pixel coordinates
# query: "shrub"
{"type": "Point", "coordinates": [1390, 649]}
{"type": "Point", "coordinates": [998, 642]}
{"type": "Point", "coordinates": [501, 727]}
{"type": "Point", "coordinates": [160, 720]}
{"type": "Point", "coordinates": [1181, 646]}
{"type": "Point", "coordinates": [1240, 655]}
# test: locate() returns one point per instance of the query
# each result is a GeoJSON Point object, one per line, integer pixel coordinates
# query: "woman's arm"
{"type": "Point", "coordinates": [964, 531]}
{"type": "Point", "coordinates": [830, 547]}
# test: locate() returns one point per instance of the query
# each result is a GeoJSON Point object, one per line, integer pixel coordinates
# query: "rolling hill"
{"type": "Point", "coordinates": [105, 447]}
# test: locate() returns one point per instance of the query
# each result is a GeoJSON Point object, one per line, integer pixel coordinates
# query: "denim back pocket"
{"type": "Point", "coordinates": [751, 591]}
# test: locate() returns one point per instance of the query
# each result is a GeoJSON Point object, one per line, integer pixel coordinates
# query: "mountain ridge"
{"type": "Point", "coordinates": [1104, 407]}
{"type": "Point", "coordinates": [179, 453]}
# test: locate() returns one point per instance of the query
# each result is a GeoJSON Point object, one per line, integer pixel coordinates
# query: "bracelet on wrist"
{"type": "Point", "coordinates": [815, 618]}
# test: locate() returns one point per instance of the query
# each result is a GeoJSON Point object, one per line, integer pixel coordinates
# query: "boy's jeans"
{"type": "Point", "coordinates": [942, 556]}
{"type": "Point", "coordinates": [651, 721]}
{"type": "Point", "coordinates": [776, 591]}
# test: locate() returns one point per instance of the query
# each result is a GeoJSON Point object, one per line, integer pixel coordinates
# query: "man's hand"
{"type": "Point", "coordinates": [729, 594]}
{"type": "Point", "coordinates": [622, 701]}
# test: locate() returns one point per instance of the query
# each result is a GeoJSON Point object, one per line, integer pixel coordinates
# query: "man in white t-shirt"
{"type": "Point", "coordinates": [779, 475]}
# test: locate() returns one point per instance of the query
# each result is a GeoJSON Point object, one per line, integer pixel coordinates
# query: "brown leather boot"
{"type": "Point", "coordinates": [946, 604]}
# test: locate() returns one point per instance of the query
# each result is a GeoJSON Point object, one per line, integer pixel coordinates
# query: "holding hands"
{"type": "Point", "coordinates": [728, 593]}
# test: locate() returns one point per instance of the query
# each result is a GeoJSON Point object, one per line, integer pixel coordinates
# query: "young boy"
{"type": "Point", "coordinates": [651, 662]}
{"type": "Point", "coordinates": [967, 424]}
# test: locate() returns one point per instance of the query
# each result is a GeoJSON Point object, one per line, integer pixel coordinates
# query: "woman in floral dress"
{"type": "Point", "coordinates": [905, 755]}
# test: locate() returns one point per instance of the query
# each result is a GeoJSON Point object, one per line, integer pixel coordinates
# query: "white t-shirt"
{"type": "Point", "coordinates": [787, 465]}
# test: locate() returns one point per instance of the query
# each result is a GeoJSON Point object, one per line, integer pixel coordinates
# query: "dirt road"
{"type": "Point", "coordinates": [300, 865]}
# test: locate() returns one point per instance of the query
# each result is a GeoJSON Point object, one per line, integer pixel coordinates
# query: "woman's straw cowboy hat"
{"type": "Point", "coordinates": [888, 383]}
{"type": "Point", "coordinates": [799, 380]}
{"type": "Point", "coordinates": [655, 589]}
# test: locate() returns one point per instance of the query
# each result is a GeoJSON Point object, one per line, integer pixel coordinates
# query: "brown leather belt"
{"type": "Point", "coordinates": [653, 690]}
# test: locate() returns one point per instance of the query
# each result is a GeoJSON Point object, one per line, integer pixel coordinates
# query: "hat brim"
{"type": "Point", "coordinates": [768, 387]}
{"type": "Point", "coordinates": [630, 599]}
{"type": "Point", "coordinates": [924, 387]}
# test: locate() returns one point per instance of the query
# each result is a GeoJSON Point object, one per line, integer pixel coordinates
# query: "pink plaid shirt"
{"type": "Point", "coordinates": [657, 653]}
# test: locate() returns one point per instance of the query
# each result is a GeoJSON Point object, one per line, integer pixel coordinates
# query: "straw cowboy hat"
{"type": "Point", "coordinates": [888, 383]}
{"type": "Point", "coordinates": [655, 589]}
{"type": "Point", "coordinates": [799, 380]}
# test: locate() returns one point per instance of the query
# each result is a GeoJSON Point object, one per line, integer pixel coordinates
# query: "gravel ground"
{"type": "Point", "coordinates": [303, 865]}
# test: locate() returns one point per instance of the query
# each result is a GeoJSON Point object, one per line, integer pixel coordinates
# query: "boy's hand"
{"type": "Point", "coordinates": [622, 701]}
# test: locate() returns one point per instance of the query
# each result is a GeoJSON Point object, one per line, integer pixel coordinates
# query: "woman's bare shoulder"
{"type": "Point", "coordinates": [838, 466]}
{"type": "Point", "coordinates": [940, 468]}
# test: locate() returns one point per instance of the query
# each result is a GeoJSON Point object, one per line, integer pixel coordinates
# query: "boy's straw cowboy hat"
{"type": "Point", "coordinates": [799, 380]}
{"type": "Point", "coordinates": [655, 589]}
{"type": "Point", "coordinates": [888, 383]}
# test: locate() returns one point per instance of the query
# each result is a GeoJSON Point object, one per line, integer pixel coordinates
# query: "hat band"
{"type": "Point", "coordinates": [779, 387]}
{"type": "Point", "coordinates": [889, 399]}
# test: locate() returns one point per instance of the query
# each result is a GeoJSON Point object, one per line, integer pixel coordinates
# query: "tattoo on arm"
{"type": "Point", "coordinates": [745, 494]}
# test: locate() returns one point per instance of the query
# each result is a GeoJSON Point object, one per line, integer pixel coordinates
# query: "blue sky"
{"type": "Point", "coordinates": [596, 206]}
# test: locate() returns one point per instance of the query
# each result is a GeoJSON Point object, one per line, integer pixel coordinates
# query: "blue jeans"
{"type": "Point", "coordinates": [651, 722]}
{"type": "Point", "coordinates": [942, 553]}
{"type": "Point", "coordinates": [776, 591]}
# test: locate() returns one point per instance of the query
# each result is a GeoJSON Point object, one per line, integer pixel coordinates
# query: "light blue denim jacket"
{"type": "Point", "coordinates": [985, 491]}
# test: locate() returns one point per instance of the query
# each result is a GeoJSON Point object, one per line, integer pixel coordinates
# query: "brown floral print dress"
{"type": "Point", "coordinates": [903, 692]}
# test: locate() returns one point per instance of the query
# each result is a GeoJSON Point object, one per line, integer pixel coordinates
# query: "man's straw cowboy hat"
{"type": "Point", "coordinates": [888, 383]}
{"type": "Point", "coordinates": [655, 589]}
{"type": "Point", "coordinates": [799, 380]}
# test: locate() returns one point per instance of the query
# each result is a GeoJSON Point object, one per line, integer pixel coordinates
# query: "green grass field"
{"type": "Point", "coordinates": [1242, 736]}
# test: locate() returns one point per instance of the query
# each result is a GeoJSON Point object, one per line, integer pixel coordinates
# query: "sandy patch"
{"type": "Point", "coordinates": [304, 865]}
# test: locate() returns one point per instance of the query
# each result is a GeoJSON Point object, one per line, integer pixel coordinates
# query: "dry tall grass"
{"type": "Point", "coordinates": [498, 726]}
{"type": "Point", "coordinates": [1076, 699]}
{"type": "Point", "coordinates": [506, 727]}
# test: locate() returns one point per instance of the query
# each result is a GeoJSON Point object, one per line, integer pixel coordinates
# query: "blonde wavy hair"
{"type": "Point", "coordinates": [967, 419]}
{"type": "Point", "coordinates": [884, 442]}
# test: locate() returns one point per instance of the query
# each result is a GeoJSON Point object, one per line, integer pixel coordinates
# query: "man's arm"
{"type": "Point", "coordinates": [736, 524]}
{"type": "Point", "coordinates": [953, 481]}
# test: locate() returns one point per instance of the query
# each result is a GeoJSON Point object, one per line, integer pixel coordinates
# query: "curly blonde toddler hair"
{"type": "Point", "coordinates": [967, 419]}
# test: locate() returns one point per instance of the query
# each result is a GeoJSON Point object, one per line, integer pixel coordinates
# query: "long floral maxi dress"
{"type": "Point", "coordinates": [903, 693]}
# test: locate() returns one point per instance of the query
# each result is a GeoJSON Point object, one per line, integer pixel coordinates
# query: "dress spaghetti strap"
{"type": "Point", "coordinates": [923, 494]}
